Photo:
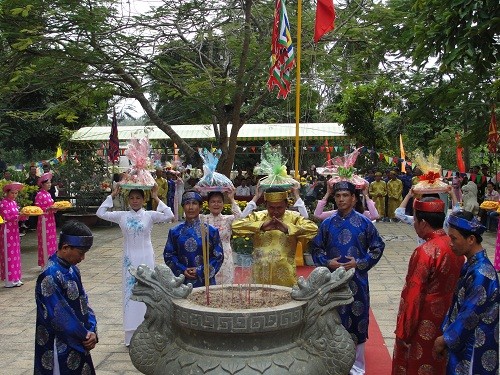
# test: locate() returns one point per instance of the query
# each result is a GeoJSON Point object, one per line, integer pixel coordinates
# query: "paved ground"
{"type": "Point", "coordinates": [101, 273]}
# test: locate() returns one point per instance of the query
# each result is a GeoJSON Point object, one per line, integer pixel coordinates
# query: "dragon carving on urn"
{"type": "Point", "coordinates": [304, 336]}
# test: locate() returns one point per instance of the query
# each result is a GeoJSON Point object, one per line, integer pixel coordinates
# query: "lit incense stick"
{"type": "Point", "coordinates": [204, 248]}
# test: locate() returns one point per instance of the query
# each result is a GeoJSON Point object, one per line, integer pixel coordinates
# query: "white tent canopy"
{"type": "Point", "coordinates": [247, 133]}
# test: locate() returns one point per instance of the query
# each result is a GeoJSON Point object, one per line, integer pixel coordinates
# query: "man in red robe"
{"type": "Point", "coordinates": [432, 275]}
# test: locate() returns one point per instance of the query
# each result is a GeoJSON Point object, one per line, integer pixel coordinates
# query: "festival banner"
{"type": "Point", "coordinates": [282, 54]}
{"type": "Point", "coordinates": [325, 19]}
{"type": "Point", "coordinates": [403, 156]}
{"type": "Point", "coordinates": [114, 143]}
{"type": "Point", "coordinates": [493, 132]}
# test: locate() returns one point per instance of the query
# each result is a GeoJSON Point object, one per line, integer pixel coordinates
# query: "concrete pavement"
{"type": "Point", "coordinates": [101, 273]}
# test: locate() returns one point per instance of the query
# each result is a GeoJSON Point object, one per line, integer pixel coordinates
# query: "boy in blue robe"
{"type": "Point", "coordinates": [183, 251]}
{"type": "Point", "coordinates": [66, 327]}
{"type": "Point", "coordinates": [470, 329]}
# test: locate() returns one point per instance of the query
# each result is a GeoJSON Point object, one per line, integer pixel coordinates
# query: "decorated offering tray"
{"type": "Point", "coordinates": [136, 186]}
{"type": "Point", "coordinates": [62, 205]}
{"type": "Point", "coordinates": [31, 211]}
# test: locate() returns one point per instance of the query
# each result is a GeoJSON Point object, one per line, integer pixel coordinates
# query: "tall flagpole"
{"type": "Point", "coordinates": [297, 90]}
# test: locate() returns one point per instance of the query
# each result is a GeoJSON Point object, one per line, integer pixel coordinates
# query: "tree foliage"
{"type": "Point", "coordinates": [66, 63]}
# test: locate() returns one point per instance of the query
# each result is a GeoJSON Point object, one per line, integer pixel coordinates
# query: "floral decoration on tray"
{"type": "Point", "coordinates": [430, 181]}
{"type": "Point", "coordinates": [273, 166]}
{"type": "Point", "coordinates": [341, 168]}
{"type": "Point", "coordinates": [212, 180]}
{"type": "Point", "coordinates": [138, 175]}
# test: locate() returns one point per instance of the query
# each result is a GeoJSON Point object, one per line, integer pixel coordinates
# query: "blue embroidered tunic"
{"type": "Point", "coordinates": [63, 315]}
{"type": "Point", "coordinates": [184, 250]}
{"type": "Point", "coordinates": [471, 326]}
{"type": "Point", "coordinates": [352, 235]}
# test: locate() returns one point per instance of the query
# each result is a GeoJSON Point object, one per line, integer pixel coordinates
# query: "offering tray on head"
{"type": "Point", "coordinates": [207, 189]}
{"type": "Point", "coordinates": [62, 205]}
{"type": "Point", "coordinates": [284, 186]}
{"type": "Point", "coordinates": [421, 190]}
{"type": "Point", "coordinates": [130, 186]}
{"type": "Point", "coordinates": [31, 211]}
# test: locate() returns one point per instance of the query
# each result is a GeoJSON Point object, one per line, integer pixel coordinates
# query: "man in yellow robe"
{"type": "Point", "coordinates": [395, 194]}
{"type": "Point", "coordinates": [275, 234]}
{"type": "Point", "coordinates": [162, 187]}
{"type": "Point", "coordinates": [378, 191]}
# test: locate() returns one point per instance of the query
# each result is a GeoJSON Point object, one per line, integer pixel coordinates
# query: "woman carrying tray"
{"type": "Point", "coordinates": [46, 228]}
{"type": "Point", "coordinates": [10, 240]}
{"type": "Point", "coordinates": [136, 225]}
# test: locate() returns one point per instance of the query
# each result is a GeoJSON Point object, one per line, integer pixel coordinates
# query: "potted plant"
{"type": "Point", "coordinates": [82, 179]}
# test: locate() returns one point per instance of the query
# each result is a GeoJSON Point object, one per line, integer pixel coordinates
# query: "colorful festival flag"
{"type": "Point", "coordinates": [282, 55]}
{"type": "Point", "coordinates": [403, 155]}
{"type": "Point", "coordinates": [325, 19]}
{"type": "Point", "coordinates": [114, 143]}
{"type": "Point", "coordinates": [493, 137]}
{"type": "Point", "coordinates": [459, 151]}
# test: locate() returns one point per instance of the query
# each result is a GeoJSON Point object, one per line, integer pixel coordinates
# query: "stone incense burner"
{"type": "Point", "coordinates": [302, 336]}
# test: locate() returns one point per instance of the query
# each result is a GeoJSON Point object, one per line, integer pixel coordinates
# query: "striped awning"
{"type": "Point", "coordinates": [249, 132]}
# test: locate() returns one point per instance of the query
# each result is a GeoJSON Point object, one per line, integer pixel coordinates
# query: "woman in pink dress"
{"type": "Point", "coordinates": [371, 212]}
{"type": "Point", "coordinates": [46, 228]}
{"type": "Point", "coordinates": [10, 241]}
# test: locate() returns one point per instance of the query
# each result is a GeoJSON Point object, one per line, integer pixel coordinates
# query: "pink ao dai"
{"type": "Point", "coordinates": [10, 255]}
{"type": "Point", "coordinates": [44, 201]}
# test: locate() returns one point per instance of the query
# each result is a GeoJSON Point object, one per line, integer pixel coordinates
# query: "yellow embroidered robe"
{"type": "Point", "coordinates": [394, 192]}
{"type": "Point", "coordinates": [378, 191]}
{"type": "Point", "coordinates": [162, 191]}
{"type": "Point", "coordinates": [274, 251]}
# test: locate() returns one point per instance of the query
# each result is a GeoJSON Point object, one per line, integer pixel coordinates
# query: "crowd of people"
{"type": "Point", "coordinates": [448, 316]}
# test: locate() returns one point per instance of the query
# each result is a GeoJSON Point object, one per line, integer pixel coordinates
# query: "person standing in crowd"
{"type": "Point", "coordinates": [371, 212]}
{"type": "Point", "coordinates": [490, 195]}
{"type": "Point", "coordinates": [183, 251]}
{"type": "Point", "coordinates": [32, 180]}
{"type": "Point", "coordinates": [456, 183]}
{"type": "Point", "coordinates": [136, 225]}
{"type": "Point", "coordinates": [46, 228]}
{"type": "Point", "coordinates": [394, 194]}
{"type": "Point", "coordinates": [66, 326]}
{"type": "Point", "coordinates": [162, 187]}
{"type": "Point", "coordinates": [10, 240]}
{"type": "Point", "coordinates": [243, 190]}
{"type": "Point", "coordinates": [407, 181]}
{"type": "Point", "coordinates": [310, 191]}
{"type": "Point", "coordinates": [119, 203]}
{"type": "Point", "coordinates": [432, 275]}
{"type": "Point", "coordinates": [378, 192]}
{"type": "Point", "coordinates": [407, 219]}
{"type": "Point", "coordinates": [186, 176]}
{"type": "Point", "coordinates": [171, 189]}
{"type": "Point", "coordinates": [223, 224]}
{"type": "Point", "coordinates": [469, 198]}
{"type": "Point", "coordinates": [275, 233]}
{"type": "Point", "coordinates": [370, 176]}
{"type": "Point", "coordinates": [53, 180]}
{"type": "Point", "coordinates": [349, 239]}
{"type": "Point", "coordinates": [179, 190]}
{"type": "Point", "coordinates": [470, 328]}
